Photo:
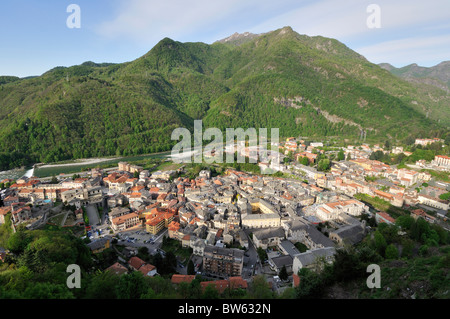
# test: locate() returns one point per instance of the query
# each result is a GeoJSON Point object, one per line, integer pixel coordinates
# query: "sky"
{"type": "Point", "coordinates": [38, 35]}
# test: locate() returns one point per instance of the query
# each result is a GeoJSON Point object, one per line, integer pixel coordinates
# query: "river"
{"type": "Point", "coordinates": [16, 173]}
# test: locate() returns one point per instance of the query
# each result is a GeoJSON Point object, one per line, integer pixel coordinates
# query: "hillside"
{"type": "Point", "coordinates": [438, 75]}
{"type": "Point", "coordinates": [309, 86]}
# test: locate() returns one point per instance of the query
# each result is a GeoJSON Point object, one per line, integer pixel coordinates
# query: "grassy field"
{"type": "Point", "coordinates": [55, 171]}
{"type": "Point", "coordinates": [57, 220]}
{"type": "Point", "coordinates": [440, 176]}
{"type": "Point", "coordinates": [175, 247]}
{"type": "Point", "coordinates": [420, 278]}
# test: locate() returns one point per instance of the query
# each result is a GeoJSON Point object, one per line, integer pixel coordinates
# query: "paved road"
{"type": "Point", "coordinates": [92, 213]}
{"type": "Point", "coordinates": [141, 237]}
{"type": "Point", "coordinates": [253, 266]}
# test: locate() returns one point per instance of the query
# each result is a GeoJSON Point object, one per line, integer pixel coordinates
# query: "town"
{"type": "Point", "coordinates": [233, 226]}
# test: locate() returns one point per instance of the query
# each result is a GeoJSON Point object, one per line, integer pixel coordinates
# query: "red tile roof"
{"type": "Point", "coordinates": [176, 279]}
{"type": "Point", "coordinates": [117, 268]}
{"type": "Point", "coordinates": [145, 269]}
{"type": "Point", "coordinates": [136, 262]}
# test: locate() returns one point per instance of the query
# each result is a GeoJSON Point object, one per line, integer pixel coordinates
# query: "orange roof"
{"type": "Point", "coordinates": [5, 210]}
{"type": "Point", "coordinates": [238, 282]}
{"type": "Point", "coordinates": [146, 268]}
{"type": "Point", "coordinates": [122, 219]}
{"type": "Point", "coordinates": [137, 188]}
{"type": "Point", "coordinates": [220, 285]}
{"type": "Point", "coordinates": [136, 262]}
{"type": "Point", "coordinates": [383, 194]}
{"type": "Point", "coordinates": [174, 226]}
{"type": "Point", "coordinates": [117, 268]}
{"type": "Point", "coordinates": [296, 280]}
{"type": "Point", "coordinates": [386, 216]}
{"type": "Point", "coordinates": [194, 220]}
{"type": "Point", "coordinates": [176, 279]}
{"type": "Point", "coordinates": [154, 221]}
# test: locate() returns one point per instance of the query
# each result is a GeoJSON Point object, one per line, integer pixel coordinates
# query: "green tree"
{"type": "Point", "coordinates": [324, 165]}
{"type": "Point", "coordinates": [447, 139]}
{"type": "Point", "coordinates": [283, 273]}
{"type": "Point", "coordinates": [210, 292]}
{"type": "Point", "coordinates": [195, 289]}
{"type": "Point", "coordinates": [259, 288]}
{"type": "Point", "coordinates": [261, 254]}
{"type": "Point", "coordinates": [18, 241]}
{"type": "Point", "coordinates": [46, 290]}
{"type": "Point", "coordinates": [102, 286]}
{"type": "Point", "coordinates": [380, 242]}
{"type": "Point", "coordinates": [405, 222]}
{"type": "Point", "coordinates": [131, 286]}
{"type": "Point", "coordinates": [407, 247]}
{"type": "Point", "coordinates": [311, 285]}
{"type": "Point", "coordinates": [341, 155]}
{"type": "Point", "coordinates": [304, 161]}
{"type": "Point", "coordinates": [191, 267]}
{"type": "Point", "coordinates": [391, 252]}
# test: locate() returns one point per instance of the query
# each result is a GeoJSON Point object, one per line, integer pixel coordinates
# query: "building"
{"type": "Point", "coordinates": [433, 202]}
{"type": "Point", "coordinates": [427, 141]}
{"type": "Point", "coordinates": [177, 279]}
{"type": "Point", "coordinates": [117, 269]}
{"type": "Point", "coordinates": [421, 213]}
{"type": "Point", "coordinates": [263, 216]}
{"type": "Point", "coordinates": [125, 222]}
{"type": "Point", "coordinates": [407, 177]}
{"type": "Point", "coordinates": [351, 234]}
{"type": "Point", "coordinates": [20, 214]}
{"type": "Point", "coordinates": [442, 160]}
{"type": "Point", "coordinates": [83, 196]}
{"type": "Point", "coordinates": [309, 259]}
{"type": "Point", "coordinates": [157, 220]}
{"type": "Point", "coordinates": [268, 237]}
{"type": "Point", "coordinates": [331, 211]}
{"type": "Point", "coordinates": [223, 262]}
{"type": "Point", "coordinates": [277, 263]}
{"type": "Point", "coordinates": [221, 286]}
{"type": "Point", "coordinates": [126, 167]}
{"type": "Point", "coordinates": [138, 264]}
{"type": "Point", "coordinates": [99, 245]}
{"type": "Point", "coordinates": [382, 217]}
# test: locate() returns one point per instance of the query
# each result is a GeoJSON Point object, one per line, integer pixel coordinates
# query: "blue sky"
{"type": "Point", "coordinates": [35, 36]}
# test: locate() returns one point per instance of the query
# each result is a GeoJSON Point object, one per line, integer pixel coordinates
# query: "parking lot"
{"type": "Point", "coordinates": [140, 237]}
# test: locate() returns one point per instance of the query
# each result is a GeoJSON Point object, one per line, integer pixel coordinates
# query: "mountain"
{"type": "Point", "coordinates": [308, 86]}
{"type": "Point", "coordinates": [237, 39]}
{"type": "Point", "coordinates": [438, 75]}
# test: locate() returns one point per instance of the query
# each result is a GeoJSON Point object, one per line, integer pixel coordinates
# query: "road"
{"type": "Point", "coordinates": [92, 213]}
{"type": "Point", "coordinates": [252, 265]}
{"type": "Point", "coordinates": [141, 235]}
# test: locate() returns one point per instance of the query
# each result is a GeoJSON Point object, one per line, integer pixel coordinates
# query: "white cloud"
{"type": "Point", "coordinates": [148, 21]}
{"type": "Point", "coordinates": [426, 51]}
{"type": "Point", "coordinates": [327, 18]}
{"type": "Point", "coordinates": [403, 23]}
